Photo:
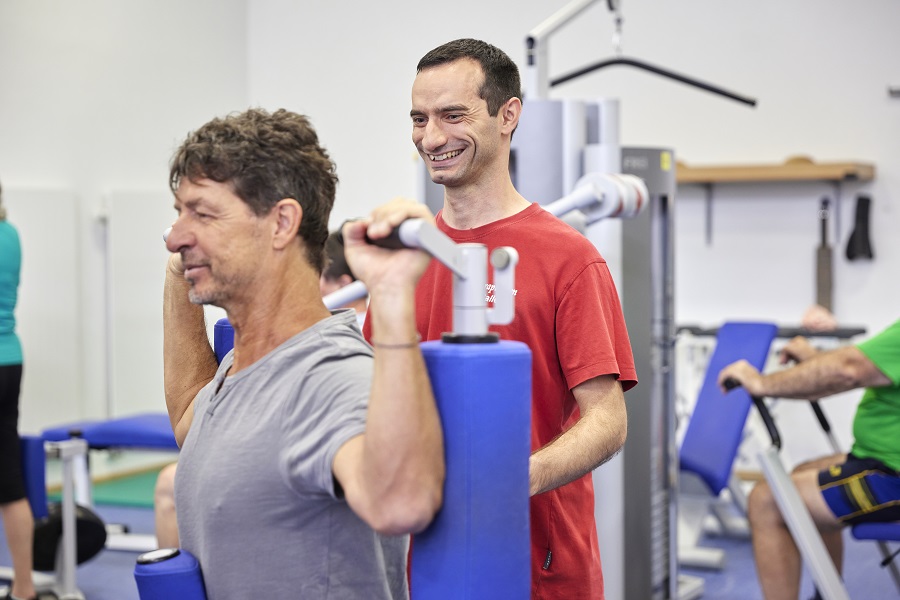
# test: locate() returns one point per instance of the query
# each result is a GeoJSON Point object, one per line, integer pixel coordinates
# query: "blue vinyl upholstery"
{"type": "Point", "coordinates": [714, 433]}
{"type": "Point", "coordinates": [148, 430]}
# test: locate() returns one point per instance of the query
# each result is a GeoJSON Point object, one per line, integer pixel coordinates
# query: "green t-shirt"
{"type": "Point", "coordinates": [876, 426]}
{"type": "Point", "coordinates": [10, 264]}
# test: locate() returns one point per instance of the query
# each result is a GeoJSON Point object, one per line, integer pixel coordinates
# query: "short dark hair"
{"type": "Point", "coordinates": [335, 261]}
{"type": "Point", "coordinates": [265, 157]}
{"type": "Point", "coordinates": [501, 75]}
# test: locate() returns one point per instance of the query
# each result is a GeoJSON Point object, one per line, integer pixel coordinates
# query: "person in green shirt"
{"type": "Point", "coordinates": [18, 522]}
{"type": "Point", "coordinates": [839, 490]}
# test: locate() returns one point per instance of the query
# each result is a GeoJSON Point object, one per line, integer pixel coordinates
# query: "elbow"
{"type": "Point", "coordinates": [855, 370]}
{"type": "Point", "coordinates": [849, 380]}
{"type": "Point", "coordinates": [620, 434]}
{"type": "Point", "coordinates": [616, 443]}
{"type": "Point", "coordinates": [619, 442]}
{"type": "Point", "coordinates": [410, 514]}
{"type": "Point", "coordinates": [850, 376]}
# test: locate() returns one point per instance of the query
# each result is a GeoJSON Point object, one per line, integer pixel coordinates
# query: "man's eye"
{"type": "Point", "coordinates": [418, 120]}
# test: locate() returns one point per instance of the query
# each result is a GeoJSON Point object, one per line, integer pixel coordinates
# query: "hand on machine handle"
{"type": "Point", "coordinates": [385, 265]}
{"type": "Point", "coordinates": [400, 236]}
{"type": "Point", "coordinates": [391, 242]}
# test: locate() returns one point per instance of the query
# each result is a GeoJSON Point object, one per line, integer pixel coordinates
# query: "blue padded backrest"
{"type": "Point", "coordinates": [715, 430]}
{"type": "Point", "coordinates": [34, 467]}
{"type": "Point", "coordinates": [223, 338]}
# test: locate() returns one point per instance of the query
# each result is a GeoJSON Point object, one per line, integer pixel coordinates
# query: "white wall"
{"type": "Point", "coordinates": [95, 95]}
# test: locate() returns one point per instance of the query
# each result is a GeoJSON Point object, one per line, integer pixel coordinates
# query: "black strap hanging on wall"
{"type": "Point", "coordinates": [859, 246]}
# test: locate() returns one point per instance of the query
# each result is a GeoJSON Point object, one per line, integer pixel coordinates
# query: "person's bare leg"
{"type": "Point", "coordinates": [774, 551]}
{"type": "Point", "coordinates": [164, 508]}
{"type": "Point", "coordinates": [18, 523]}
{"type": "Point", "coordinates": [777, 558]}
{"type": "Point", "coordinates": [830, 528]}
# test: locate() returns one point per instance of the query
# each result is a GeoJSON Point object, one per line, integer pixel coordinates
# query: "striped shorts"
{"type": "Point", "coordinates": [861, 490]}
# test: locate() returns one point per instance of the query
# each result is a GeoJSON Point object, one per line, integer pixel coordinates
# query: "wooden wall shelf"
{"type": "Point", "coordinates": [798, 168]}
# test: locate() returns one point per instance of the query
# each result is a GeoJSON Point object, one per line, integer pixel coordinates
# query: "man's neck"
{"type": "Point", "coordinates": [277, 312]}
{"type": "Point", "coordinates": [474, 206]}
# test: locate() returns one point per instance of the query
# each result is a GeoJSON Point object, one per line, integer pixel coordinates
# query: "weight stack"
{"type": "Point", "coordinates": [478, 546]}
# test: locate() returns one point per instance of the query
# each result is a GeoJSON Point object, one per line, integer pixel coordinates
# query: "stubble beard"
{"type": "Point", "coordinates": [214, 297]}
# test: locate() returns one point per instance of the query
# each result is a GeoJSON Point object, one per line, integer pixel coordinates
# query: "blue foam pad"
{"type": "Point", "coordinates": [34, 467]}
{"type": "Point", "coordinates": [885, 532]}
{"type": "Point", "coordinates": [714, 432]}
{"type": "Point", "coordinates": [176, 577]}
{"type": "Point", "coordinates": [148, 431]}
{"type": "Point", "coordinates": [478, 545]}
{"type": "Point", "coordinates": [223, 338]}
{"type": "Point", "coordinates": [64, 432]}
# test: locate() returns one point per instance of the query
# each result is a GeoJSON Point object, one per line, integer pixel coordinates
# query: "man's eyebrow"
{"type": "Point", "coordinates": [188, 203]}
{"type": "Point", "coordinates": [442, 110]}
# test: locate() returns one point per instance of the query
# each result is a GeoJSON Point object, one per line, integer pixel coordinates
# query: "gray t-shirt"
{"type": "Point", "coordinates": [254, 487]}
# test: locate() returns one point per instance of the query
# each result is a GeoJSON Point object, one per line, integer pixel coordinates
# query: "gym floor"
{"type": "Point", "coordinates": [108, 576]}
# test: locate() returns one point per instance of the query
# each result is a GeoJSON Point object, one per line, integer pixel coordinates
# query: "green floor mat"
{"type": "Point", "coordinates": [133, 490]}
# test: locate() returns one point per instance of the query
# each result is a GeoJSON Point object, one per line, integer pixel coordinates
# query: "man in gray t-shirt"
{"type": "Point", "coordinates": [306, 455]}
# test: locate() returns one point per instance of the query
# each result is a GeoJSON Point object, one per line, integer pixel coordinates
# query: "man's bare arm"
{"type": "Point", "coordinates": [189, 362]}
{"type": "Point", "coordinates": [595, 438]}
{"type": "Point", "coordinates": [823, 374]}
{"type": "Point", "coordinates": [393, 474]}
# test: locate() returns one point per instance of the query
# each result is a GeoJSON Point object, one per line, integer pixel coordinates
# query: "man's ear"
{"type": "Point", "coordinates": [288, 216]}
{"type": "Point", "coordinates": [509, 115]}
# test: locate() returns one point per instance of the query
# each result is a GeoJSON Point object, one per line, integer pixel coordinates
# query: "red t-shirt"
{"type": "Point", "coordinates": [568, 313]}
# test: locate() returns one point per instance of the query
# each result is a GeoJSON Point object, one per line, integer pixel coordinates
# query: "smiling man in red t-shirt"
{"type": "Point", "coordinates": [465, 107]}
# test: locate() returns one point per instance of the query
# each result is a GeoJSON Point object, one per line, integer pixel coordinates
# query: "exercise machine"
{"type": "Point", "coordinates": [66, 534]}
{"type": "Point", "coordinates": [559, 142]}
{"type": "Point", "coordinates": [713, 437]}
{"type": "Point", "coordinates": [478, 544]}
{"type": "Point", "coordinates": [140, 432]}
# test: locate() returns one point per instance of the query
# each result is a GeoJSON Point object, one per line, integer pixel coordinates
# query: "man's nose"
{"type": "Point", "coordinates": [434, 137]}
{"type": "Point", "coordinates": [177, 236]}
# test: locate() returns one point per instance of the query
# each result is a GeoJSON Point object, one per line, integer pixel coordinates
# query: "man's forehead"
{"type": "Point", "coordinates": [188, 186]}
{"type": "Point", "coordinates": [465, 71]}
{"type": "Point", "coordinates": [191, 191]}
{"type": "Point", "coordinates": [450, 84]}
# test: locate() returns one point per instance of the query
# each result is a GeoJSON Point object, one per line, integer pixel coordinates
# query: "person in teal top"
{"type": "Point", "coordinates": [18, 522]}
{"type": "Point", "coordinates": [839, 490]}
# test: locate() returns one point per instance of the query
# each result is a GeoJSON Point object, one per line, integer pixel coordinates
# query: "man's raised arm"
{"type": "Point", "coordinates": [393, 475]}
{"type": "Point", "coordinates": [189, 362]}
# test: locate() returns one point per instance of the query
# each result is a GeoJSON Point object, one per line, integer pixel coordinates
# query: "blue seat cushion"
{"type": "Point", "coordinates": [885, 532]}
